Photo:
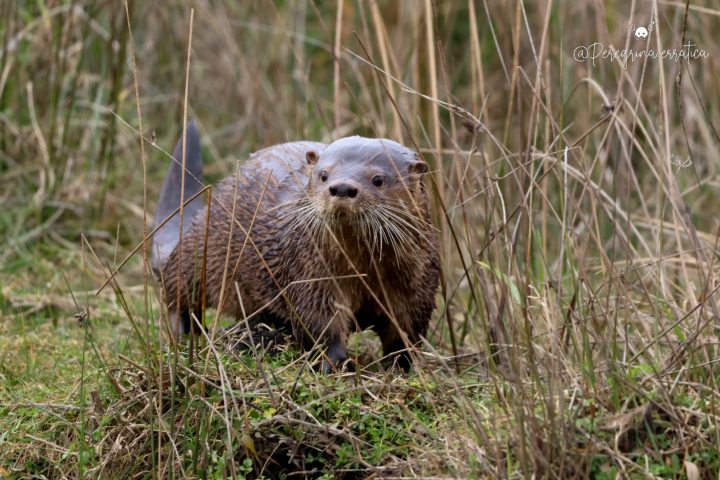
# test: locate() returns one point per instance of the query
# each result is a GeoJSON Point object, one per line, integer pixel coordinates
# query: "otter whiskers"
{"type": "Point", "coordinates": [384, 225]}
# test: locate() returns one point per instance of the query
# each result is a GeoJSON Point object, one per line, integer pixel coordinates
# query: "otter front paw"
{"type": "Point", "coordinates": [334, 359]}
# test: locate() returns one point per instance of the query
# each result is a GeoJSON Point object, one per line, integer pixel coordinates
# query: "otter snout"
{"type": "Point", "coordinates": [343, 190]}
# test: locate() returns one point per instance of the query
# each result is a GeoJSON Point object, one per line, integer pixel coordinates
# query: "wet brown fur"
{"type": "Point", "coordinates": [323, 282]}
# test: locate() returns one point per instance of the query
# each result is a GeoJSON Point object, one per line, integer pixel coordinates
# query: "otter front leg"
{"type": "Point", "coordinates": [414, 324]}
{"type": "Point", "coordinates": [394, 347]}
{"type": "Point", "coordinates": [335, 353]}
{"type": "Point", "coordinates": [329, 334]}
{"type": "Point", "coordinates": [317, 322]}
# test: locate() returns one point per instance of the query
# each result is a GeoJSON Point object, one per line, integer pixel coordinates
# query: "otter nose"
{"type": "Point", "coordinates": [343, 190]}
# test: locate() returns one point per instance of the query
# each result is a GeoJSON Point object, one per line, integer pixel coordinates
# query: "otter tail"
{"type": "Point", "coordinates": [167, 237]}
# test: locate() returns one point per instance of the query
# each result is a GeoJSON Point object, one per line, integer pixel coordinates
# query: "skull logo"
{"type": "Point", "coordinates": [641, 32]}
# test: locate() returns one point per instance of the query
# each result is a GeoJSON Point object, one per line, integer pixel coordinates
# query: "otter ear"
{"type": "Point", "coordinates": [312, 157]}
{"type": "Point", "coordinates": [418, 166]}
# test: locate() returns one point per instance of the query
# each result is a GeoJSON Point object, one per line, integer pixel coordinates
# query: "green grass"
{"type": "Point", "coordinates": [56, 397]}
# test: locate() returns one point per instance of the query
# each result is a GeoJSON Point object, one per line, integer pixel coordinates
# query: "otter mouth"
{"type": "Point", "coordinates": [342, 219]}
{"type": "Point", "coordinates": [340, 211]}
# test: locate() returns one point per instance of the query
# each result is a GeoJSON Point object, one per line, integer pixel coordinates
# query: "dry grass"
{"type": "Point", "coordinates": [576, 329]}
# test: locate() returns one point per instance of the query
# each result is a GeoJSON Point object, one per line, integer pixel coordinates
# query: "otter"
{"type": "Point", "coordinates": [323, 238]}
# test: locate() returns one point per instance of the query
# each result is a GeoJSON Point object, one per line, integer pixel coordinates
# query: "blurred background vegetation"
{"type": "Point", "coordinates": [577, 203]}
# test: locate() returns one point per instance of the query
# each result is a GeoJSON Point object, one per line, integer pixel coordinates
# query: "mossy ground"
{"type": "Point", "coordinates": [73, 403]}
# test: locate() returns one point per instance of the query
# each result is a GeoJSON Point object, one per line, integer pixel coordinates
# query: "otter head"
{"type": "Point", "coordinates": [372, 187]}
{"type": "Point", "coordinates": [354, 174]}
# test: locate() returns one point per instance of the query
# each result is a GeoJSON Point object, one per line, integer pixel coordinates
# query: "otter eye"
{"type": "Point", "coordinates": [323, 176]}
{"type": "Point", "coordinates": [378, 181]}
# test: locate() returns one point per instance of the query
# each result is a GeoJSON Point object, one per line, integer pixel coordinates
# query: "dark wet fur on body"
{"type": "Point", "coordinates": [339, 239]}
